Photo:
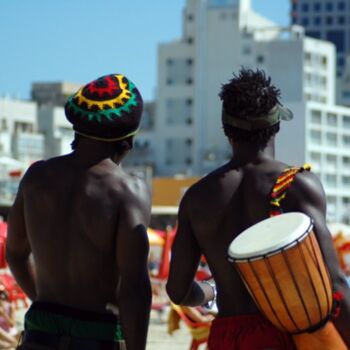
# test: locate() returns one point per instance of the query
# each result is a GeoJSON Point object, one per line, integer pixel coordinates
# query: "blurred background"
{"type": "Point", "coordinates": [178, 53]}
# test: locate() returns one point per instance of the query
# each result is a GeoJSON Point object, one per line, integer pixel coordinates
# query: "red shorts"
{"type": "Point", "coordinates": [247, 332]}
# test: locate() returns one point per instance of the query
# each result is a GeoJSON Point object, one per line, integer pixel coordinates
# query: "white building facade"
{"type": "Point", "coordinates": [190, 73]}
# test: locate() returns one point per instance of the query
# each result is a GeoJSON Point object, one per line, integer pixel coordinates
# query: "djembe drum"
{"type": "Point", "coordinates": [281, 264]}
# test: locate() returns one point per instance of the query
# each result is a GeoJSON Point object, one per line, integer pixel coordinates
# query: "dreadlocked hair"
{"type": "Point", "coordinates": [250, 94]}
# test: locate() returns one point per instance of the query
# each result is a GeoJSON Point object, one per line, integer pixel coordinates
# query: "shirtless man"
{"type": "Point", "coordinates": [234, 197]}
{"type": "Point", "coordinates": [84, 221]}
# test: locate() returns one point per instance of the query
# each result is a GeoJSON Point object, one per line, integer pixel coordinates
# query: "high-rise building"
{"type": "Point", "coordinates": [53, 93]}
{"type": "Point", "coordinates": [328, 20]}
{"type": "Point", "coordinates": [190, 73]}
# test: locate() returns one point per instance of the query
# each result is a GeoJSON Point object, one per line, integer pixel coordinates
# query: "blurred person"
{"type": "Point", "coordinates": [234, 197]}
{"type": "Point", "coordinates": [153, 263]}
{"type": "Point", "coordinates": [84, 220]}
{"type": "Point", "coordinates": [8, 331]}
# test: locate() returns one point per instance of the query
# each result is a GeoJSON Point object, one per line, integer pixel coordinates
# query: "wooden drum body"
{"type": "Point", "coordinates": [281, 263]}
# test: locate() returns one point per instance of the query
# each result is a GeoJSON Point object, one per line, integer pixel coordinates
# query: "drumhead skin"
{"type": "Point", "coordinates": [270, 236]}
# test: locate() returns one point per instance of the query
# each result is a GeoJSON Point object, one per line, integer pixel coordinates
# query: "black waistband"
{"type": "Point", "coordinates": [69, 311]}
{"type": "Point", "coordinates": [43, 339]}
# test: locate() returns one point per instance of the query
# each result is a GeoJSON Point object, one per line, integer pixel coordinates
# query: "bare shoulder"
{"type": "Point", "coordinates": [133, 191]}
{"type": "Point", "coordinates": [34, 172]}
{"type": "Point", "coordinates": [206, 182]}
{"type": "Point", "coordinates": [307, 188]}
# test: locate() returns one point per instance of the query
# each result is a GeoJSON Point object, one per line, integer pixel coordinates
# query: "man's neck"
{"type": "Point", "coordinates": [244, 153]}
{"type": "Point", "coordinates": [92, 154]}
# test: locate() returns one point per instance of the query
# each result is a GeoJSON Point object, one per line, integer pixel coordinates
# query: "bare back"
{"type": "Point", "coordinates": [231, 199]}
{"type": "Point", "coordinates": [212, 213]}
{"type": "Point", "coordinates": [72, 214]}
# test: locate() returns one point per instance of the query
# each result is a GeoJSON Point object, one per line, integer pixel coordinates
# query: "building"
{"type": "Point", "coordinates": [142, 156]}
{"type": "Point", "coordinates": [19, 134]}
{"type": "Point", "coordinates": [190, 73]}
{"type": "Point", "coordinates": [58, 132]}
{"type": "Point", "coordinates": [53, 93]}
{"type": "Point", "coordinates": [191, 70]}
{"type": "Point", "coordinates": [328, 20]}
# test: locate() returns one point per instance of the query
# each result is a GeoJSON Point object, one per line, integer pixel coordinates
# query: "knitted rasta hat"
{"type": "Point", "coordinates": [106, 109]}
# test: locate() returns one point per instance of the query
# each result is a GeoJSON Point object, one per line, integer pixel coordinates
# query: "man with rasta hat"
{"type": "Point", "coordinates": [236, 196]}
{"type": "Point", "coordinates": [83, 220]}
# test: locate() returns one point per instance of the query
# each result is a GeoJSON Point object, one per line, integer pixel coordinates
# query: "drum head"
{"type": "Point", "coordinates": [269, 236]}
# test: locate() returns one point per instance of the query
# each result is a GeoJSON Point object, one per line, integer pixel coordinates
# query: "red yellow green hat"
{"type": "Point", "coordinates": [106, 109]}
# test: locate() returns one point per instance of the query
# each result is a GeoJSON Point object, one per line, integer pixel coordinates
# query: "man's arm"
{"type": "Point", "coordinates": [185, 257]}
{"type": "Point", "coordinates": [18, 247]}
{"type": "Point", "coordinates": [134, 291]}
{"type": "Point", "coordinates": [307, 196]}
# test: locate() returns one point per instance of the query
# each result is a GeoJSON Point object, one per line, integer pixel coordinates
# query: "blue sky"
{"type": "Point", "coordinates": [79, 40]}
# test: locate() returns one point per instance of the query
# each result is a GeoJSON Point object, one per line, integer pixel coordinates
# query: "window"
{"type": "Point", "coordinates": [317, 7]}
{"type": "Point", "coordinates": [329, 20]}
{"type": "Point", "coordinates": [4, 125]}
{"type": "Point", "coordinates": [329, 6]}
{"type": "Point", "coordinates": [341, 6]}
{"type": "Point", "coordinates": [316, 117]}
{"type": "Point", "coordinates": [260, 59]}
{"type": "Point", "coordinates": [317, 21]}
{"type": "Point", "coordinates": [346, 140]}
{"type": "Point", "coordinates": [324, 61]}
{"type": "Point", "coordinates": [307, 57]}
{"type": "Point", "coordinates": [346, 181]}
{"type": "Point", "coordinates": [331, 139]}
{"type": "Point", "coordinates": [340, 62]}
{"type": "Point", "coordinates": [316, 137]}
{"type": "Point", "coordinates": [331, 180]}
{"type": "Point", "coordinates": [346, 162]}
{"type": "Point", "coordinates": [305, 21]}
{"type": "Point", "coordinates": [332, 119]}
{"type": "Point", "coordinates": [190, 17]}
{"type": "Point", "coordinates": [315, 159]}
{"type": "Point", "coordinates": [190, 61]}
{"type": "Point", "coordinates": [189, 40]}
{"type": "Point", "coordinates": [331, 162]}
{"type": "Point", "coordinates": [346, 122]}
{"type": "Point", "coordinates": [341, 19]}
{"type": "Point", "coordinates": [305, 7]}
{"type": "Point", "coordinates": [337, 37]}
{"type": "Point", "coordinates": [169, 61]}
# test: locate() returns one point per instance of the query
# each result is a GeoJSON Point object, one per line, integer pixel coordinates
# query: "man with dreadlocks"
{"type": "Point", "coordinates": [234, 197]}
{"type": "Point", "coordinates": [84, 221]}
